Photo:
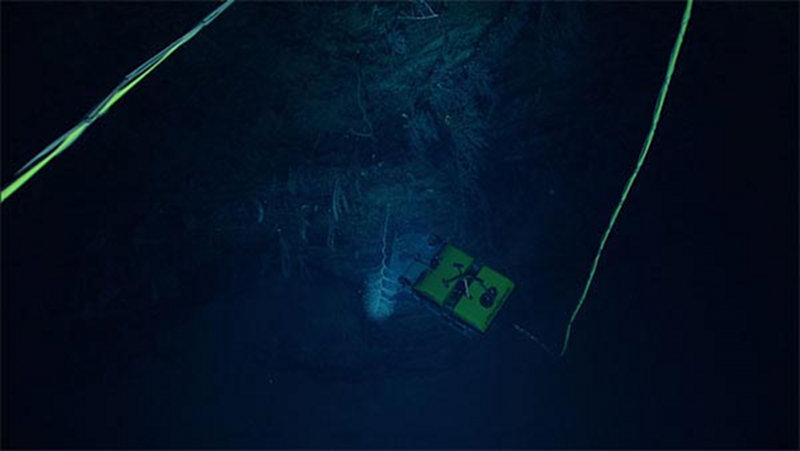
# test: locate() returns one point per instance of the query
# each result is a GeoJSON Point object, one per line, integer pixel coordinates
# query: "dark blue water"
{"type": "Point", "coordinates": [143, 305]}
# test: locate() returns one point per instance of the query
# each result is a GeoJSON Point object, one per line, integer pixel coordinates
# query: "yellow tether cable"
{"type": "Point", "coordinates": [56, 147]}
{"type": "Point", "coordinates": [642, 155]}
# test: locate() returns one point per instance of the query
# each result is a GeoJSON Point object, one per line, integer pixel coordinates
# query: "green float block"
{"type": "Point", "coordinates": [487, 294]}
{"type": "Point", "coordinates": [438, 284]}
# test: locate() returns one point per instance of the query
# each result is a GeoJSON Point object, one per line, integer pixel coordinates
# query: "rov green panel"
{"type": "Point", "coordinates": [471, 311]}
{"type": "Point", "coordinates": [452, 263]}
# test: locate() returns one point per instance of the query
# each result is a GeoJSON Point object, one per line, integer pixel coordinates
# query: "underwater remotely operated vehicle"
{"type": "Point", "coordinates": [457, 285]}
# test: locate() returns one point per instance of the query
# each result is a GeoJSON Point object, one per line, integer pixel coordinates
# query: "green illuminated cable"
{"type": "Point", "coordinates": [56, 147]}
{"type": "Point", "coordinates": [642, 155]}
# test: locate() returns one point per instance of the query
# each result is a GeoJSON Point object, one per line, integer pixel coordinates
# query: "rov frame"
{"type": "Point", "coordinates": [457, 285]}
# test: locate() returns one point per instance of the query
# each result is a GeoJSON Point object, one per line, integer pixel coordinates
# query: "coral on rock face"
{"type": "Point", "coordinates": [382, 285]}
